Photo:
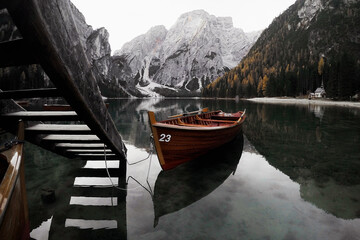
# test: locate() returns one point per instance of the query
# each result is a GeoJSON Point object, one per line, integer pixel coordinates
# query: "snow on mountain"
{"type": "Point", "coordinates": [197, 49]}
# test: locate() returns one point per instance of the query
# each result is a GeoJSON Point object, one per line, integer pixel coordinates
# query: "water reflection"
{"type": "Point", "coordinates": [297, 178]}
{"type": "Point", "coordinates": [316, 147]}
{"type": "Point", "coordinates": [188, 183]}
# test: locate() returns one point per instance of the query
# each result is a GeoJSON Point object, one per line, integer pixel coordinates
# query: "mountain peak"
{"type": "Point", "coordinates": [196, 50]}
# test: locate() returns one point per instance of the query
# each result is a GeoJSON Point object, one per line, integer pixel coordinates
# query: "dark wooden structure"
{"type": "Point", "coordinates": [81, 128]}
{"type": "Point", "coordinates": [50, 38]}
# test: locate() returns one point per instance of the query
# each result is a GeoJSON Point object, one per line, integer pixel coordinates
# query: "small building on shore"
{"type": "Point", "coordinates": [319, 92]}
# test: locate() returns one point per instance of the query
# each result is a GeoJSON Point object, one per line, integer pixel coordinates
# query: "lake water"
{"type": "Point", "coordinates": [294, 174]}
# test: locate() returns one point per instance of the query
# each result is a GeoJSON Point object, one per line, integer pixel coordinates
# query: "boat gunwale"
{"type": "Point", "coordinates": [190, 127]}
{"type": "Point", "coordinates": [12, 174]}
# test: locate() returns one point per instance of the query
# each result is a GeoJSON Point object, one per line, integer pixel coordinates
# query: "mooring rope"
{"type": "Point", "coordinates": [131, 177]}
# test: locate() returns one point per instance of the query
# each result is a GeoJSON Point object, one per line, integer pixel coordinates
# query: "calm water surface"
{"type": "Point", "coordinates": [294, 174]}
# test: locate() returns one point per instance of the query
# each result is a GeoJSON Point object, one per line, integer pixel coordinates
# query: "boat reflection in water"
{"type": "Point", "coordinates": [178, 188]}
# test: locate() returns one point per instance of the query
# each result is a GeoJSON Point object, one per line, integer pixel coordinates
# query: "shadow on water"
{"type": "Point", "coordinates": [180, 187]}
{"type": "Point", "coordinates": [315, 146]}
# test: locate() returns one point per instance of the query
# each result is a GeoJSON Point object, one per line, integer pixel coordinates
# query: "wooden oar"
{"type": "Point", "coordinates": [188, 113]}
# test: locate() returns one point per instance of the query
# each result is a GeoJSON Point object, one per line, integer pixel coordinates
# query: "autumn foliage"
{"type": "Point", "coordinates": [291, 60]}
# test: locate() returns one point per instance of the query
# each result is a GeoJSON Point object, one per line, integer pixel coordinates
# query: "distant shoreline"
{"type": "Point", "coordinates": [304, 101]}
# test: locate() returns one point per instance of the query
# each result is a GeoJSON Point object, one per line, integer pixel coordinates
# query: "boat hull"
{"type": "Point", "coordinates": [178, 144]}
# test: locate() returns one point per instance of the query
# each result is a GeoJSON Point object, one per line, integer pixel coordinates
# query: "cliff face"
{"type": "Point", "coordinates": [196, 50]}
{"type": "Point", "coordinates": [97, 47]}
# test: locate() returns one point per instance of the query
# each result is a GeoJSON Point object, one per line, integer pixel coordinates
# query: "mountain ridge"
{"type": "Point", "coordinates": [197, 49]}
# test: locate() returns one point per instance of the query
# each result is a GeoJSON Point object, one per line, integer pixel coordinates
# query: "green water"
{"type": "Point", "coordinates": [293, 175]}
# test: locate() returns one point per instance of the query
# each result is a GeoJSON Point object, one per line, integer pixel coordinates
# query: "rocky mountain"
{"type": "Point", "coordinates": [96, 45]}
{"type": "Point", "coordinates": [98, 50]}
{"type": "Point", "coordinates": [313, 41]}
{"type": "Point", "coordinates": [197, 49]}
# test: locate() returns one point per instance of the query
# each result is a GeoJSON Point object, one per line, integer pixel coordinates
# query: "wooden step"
{"type": "Point", "coordinates": [72, 138]}
{"type": "Point", "coordinates": [30, 93]}
{"type": "Point", "coordinates": [77, 151]}
{"type": "Point", "coordinates": [42, 116]}
{"type": "Point", "coordinates": [59, 129]}
{"type": "Point", "coordinates": [80, 145]}
{"type": "Point", "coordinates": [97, 156]}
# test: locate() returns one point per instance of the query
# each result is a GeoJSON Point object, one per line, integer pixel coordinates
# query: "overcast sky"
{"type": "Point", "coordinates": [126, 20]}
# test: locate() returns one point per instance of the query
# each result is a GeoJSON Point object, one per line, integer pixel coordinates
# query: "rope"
{"type": "Point", "coordinates": [131, 177]}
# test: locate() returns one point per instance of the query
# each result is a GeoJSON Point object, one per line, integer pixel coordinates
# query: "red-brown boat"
{"type": "Point", "coordinates": [185, 137]}
{"type": "Point", "coordinates": [14, 220]}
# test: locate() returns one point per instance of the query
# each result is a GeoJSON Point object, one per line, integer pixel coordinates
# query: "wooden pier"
{"type": "Point", "coordinates": [50, 38]}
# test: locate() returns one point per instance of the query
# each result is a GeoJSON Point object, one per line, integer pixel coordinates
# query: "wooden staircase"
{"type": "Point", "coordinates": [84, 128]}
{"type": "Point", "coordinates": [50, 39]}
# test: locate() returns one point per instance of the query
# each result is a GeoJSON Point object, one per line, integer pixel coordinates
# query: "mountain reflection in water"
{"type": "Point", "coordinates": [315, 146]}
{"type": "Point", "coordinates": [178, 188]}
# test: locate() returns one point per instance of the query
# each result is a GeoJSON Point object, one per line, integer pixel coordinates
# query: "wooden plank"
{"type": "Point", "coordinates": [77, 150]}
{"type": "Point", "coordinates": [42, 116]}
{"type": "Point", "coordinates": [80, 145]}
{"type": "Point", "coordinates": [50, 28]}
{"type": "Point", "coordinates": [59, 129]}
{"type": "Point", "coordinates": [30, 93]}
{"type": "Point", "coordinates": [97, 156]}
{"type": "Point", "coordinates": [72, 138]}
{"type": "Point", "coordinates": [15, 53]}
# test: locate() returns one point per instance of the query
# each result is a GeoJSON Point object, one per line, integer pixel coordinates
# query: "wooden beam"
{"type": "Point", "coordinates": [30, 93]}
{"type": "Point", "coordinates": [58, 129]}
{"type": "Point", "coordinates": [16, 53]}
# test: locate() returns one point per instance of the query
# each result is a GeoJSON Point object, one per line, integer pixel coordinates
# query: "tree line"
{"type": "Point", "coordinates": [292, 60]}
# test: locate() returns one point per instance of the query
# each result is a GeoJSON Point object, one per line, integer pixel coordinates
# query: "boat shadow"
{"type": "Point", "coordinates": [178, 188]}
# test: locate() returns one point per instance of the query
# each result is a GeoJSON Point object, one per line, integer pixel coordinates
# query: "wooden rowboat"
{"type": "Point", "coordinates": [182, 138]}
{"type": "Point", "coordinates": [14, 223]}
